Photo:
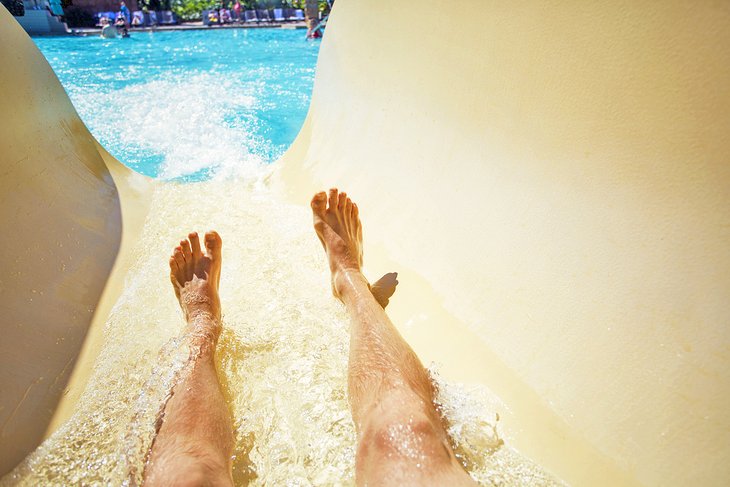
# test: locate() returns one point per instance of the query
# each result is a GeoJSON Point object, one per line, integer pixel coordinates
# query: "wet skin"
{"type": "Point", "coordinates": [401, 440]}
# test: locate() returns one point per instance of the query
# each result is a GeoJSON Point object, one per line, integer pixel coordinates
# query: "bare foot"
{"type": "Point", "coordinates": [384, 288]}
{"type": "Point", "coordinates": [195, 277]}
{"type": "Point", "coordinates": [338, 227]}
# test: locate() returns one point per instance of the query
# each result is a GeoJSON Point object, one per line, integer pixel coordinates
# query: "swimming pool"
{"type": "Point", "coordinates": [189, 105]}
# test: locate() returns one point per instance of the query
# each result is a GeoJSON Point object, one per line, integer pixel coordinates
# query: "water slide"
{"type": "Point", "coordinates": [550, 181]}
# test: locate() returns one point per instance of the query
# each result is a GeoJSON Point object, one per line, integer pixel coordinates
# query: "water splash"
{"type": "Point", "coordinates": [190, 105]}
{"type": "Point", "coordinates": [282, 359]}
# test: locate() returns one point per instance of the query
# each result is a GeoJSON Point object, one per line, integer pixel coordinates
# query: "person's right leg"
{"type": "Point", "coordinates": [401, 440]}
{"type": "Point", "coordinates": [194, 442]}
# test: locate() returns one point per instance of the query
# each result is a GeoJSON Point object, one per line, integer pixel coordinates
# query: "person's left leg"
{"type": "Point", "coordinates": [195, 441]}
{"type": "Point", "coordinates": [401, 436]}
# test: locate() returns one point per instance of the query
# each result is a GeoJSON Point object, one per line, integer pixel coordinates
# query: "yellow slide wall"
{"type": "Point", "coordinates": [550, 181]}
{"type": "Point", "coordinates": [69, 213]}
{"type": "Point", "coordinates": [559, 173]}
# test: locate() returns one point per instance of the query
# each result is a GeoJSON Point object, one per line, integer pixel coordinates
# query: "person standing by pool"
{"type": "Point", "coordinates": [237, 11]}
{"type": "Point", "coordinates": [401, 439]}
{"type": "Point", "coordinates": [125, 13]}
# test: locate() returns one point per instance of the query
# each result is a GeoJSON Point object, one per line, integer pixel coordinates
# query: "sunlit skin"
{"type": "Point", "coordinates": [401, 440]}
{"type": "Point", "coordinates": [194, 442]}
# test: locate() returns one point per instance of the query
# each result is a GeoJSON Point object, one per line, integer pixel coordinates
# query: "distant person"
{"type": "Point", "coordinates": [108, 31]}
{"type": "Point", "coordinates": [225, 16]}
{"type": "Point", "coordinates": [237, 11]}
{"type": "Point", "coordinates": [213, 16]}
{"type": "Point", "coordinates": [137, 21]}
{"type": "Point", "coordinates": [315, 33]}
{"type": "Point", "coordinates": [121, 25]}
{"type": "Point", "coordinates": [125, 12]}
{"type": "Point", "coordinates": [401, 439]}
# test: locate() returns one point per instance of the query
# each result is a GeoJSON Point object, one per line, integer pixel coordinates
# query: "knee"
{"type": "Point", "coordinates": [187, 470]}
{"type": "Point", "coordinates": [413, 438]}
{"type": "Point", "coordinates": [192, 477]}
{"type": "Point", "coordinates": [201, 477]}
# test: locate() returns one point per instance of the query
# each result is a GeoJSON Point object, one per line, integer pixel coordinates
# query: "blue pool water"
{"type": "Point", "coordinates": [189, 105]}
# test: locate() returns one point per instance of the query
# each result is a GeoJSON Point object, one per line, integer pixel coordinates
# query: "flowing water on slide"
{"type": "Point", "coordinates": [282, 358]}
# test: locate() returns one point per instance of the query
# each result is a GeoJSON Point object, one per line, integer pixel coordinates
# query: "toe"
{"type": "Point", "coordinates": [319, 203]}
{"type": "Point", "coordinates": [333, 199]}
{"type": "Point", "coordinates": [180, 261]}
{"type": "Point", "coordinates": [173, 271]}
{"type": "Point", "coordinates": [187, 255]}
{"type": "Point", "coordinates": [195, 245]}
{"type": "Point", "coordinates": [341, 201]}
{"type": "Point", "coordinates": [347, 213]}
{"type": "Point", "coordinates": [213, 245]}
{"type": "Point", "coordinates": [179, 258]}
{"type": "Point", "coordinates": [348, 208]}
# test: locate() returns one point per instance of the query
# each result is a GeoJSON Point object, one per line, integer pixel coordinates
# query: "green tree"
{"type": "Point", "coordinates": [188, 10]}
{"type": "Point", "coordinates": [322, 5]}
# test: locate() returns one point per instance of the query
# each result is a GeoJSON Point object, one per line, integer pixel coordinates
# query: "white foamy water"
{"type": "Point", "coordinates": [189, 104]}
{"type": "Point", "coordinates": [282, 358]}
{"type": "Point", "coordinates": [189, 123]}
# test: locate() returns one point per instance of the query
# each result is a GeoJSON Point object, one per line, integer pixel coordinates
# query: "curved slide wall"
{"type": "Point", "coordinates": [550, 182]}
{"type": "Point", "coordinates": [69, 212]}
{"type": "Point", "coordinates": [558, 173]}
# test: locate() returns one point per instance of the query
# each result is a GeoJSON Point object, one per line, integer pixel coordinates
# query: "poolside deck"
{"type": "Point", "coordinates": [89, 31]}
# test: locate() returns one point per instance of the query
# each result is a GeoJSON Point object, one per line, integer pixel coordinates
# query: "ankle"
{"type": "Point", "coordinates": [203, 330]}
{"type": "Point", "coordinates": [203, 316]}
{"type": "Point", "coordinates": [345, 282]}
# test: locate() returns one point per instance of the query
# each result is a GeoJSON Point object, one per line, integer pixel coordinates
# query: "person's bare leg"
{"type": "Point", "coordinates": [194, 442]}
{"type": "Point", "coordinates": [401, 440]}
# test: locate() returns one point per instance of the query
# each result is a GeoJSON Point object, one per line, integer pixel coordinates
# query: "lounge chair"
{"type": "Point", "coordinates": [250, 16]}
{"type": "Point", "coordinates": [263, 15]}
{"type": "Point", "coordinates": [167, 18]}
{"type": "Point", "coordinates": [299, 14]}
{"type": "Point", "coordinates": [279, 15]}
{"type": "Point", "coordinates": [138, 19]}
{"type": "Point", "coordinates": [152, 18]}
